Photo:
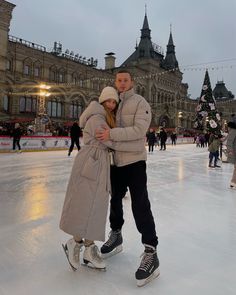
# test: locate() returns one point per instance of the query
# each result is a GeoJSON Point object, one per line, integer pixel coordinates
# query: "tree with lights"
{"type": "Point", "coordinates": [207, 116]}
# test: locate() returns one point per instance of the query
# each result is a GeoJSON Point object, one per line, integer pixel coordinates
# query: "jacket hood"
{"type": "Point", "coordinates": [94, 108]}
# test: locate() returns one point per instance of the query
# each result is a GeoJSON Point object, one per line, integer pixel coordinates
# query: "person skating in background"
{"type": "Point", "coordinates": [87, 198]}
{"type": "Point", "coordinates": [75, 134]}
{"type": "Point", "coordinates": [231, 151]}
{"type": "Point", "coordinates": [16, 134]}
{"type": "Point", "coordinates": [207, 137]}
{"type": "Point", "coordinates": [151, 139]}
{"type": "Point", "coordinates": [213, 148]}
{"type": "Point", "coordinates": [173, 138]}
{"type": "Point", "coordinates": [163, 138]}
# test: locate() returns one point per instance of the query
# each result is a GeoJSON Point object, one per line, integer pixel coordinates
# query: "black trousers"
{"type": "Point", "coordinates": [73, 142]}
{"type": "Point", "coordinates": [163, 144]}
{"type": "Point", "coordinates": [16, 141]}
{"type": "Point", "coordinates": [150, 147]}
{"type": "Point", "coordinates": [134, 177]}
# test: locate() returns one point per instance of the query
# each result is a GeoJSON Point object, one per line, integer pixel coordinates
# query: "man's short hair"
{"type": "Point", "coordinates": [124, 71]}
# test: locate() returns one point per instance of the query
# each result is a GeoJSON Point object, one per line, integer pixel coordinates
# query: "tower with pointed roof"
{"type": "Point", "coordinates": [221, 93]}
{"type": "Point", "coordinates": [159, 79]}
{"type": "Point", "coordinates": [170, 61]}
{"type": "Point", "coordinates": [146, 48]}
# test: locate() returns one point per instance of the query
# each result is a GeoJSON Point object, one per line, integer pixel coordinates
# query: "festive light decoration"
{"type": "Point", "coordinates": [207, 116]}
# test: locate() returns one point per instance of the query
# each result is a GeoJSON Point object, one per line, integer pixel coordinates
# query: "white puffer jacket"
{"type": "Point", "coordinates": [132, 119]}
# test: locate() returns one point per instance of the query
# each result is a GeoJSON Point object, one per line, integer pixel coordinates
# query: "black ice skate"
{"type": "Point", "coordinates": [113, 245]}
{"type": "Point", "coordinates": [149, 267]}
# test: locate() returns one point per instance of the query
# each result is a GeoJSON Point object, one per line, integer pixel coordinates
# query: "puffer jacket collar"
{"type": "Point", "coordinates": [127, 94]}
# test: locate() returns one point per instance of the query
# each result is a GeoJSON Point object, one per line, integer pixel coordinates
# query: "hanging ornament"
{"type": "Point", "coordinates": [218, 116]}
{"type": "Point", "coordinates": [213, 123]}
{"type": "Point", "coordinates": [212, 106]}
{"type": "Point", "coordinates": [203, 98]}
{"type": "Point", "coordinates": [204, 87]}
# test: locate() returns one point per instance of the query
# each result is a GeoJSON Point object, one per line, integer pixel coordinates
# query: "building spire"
{"type": "Point", "coordinates": [170, 61]}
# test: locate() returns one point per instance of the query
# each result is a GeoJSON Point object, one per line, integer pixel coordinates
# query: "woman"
{"type": "Point", "coordinates": [85, 207]}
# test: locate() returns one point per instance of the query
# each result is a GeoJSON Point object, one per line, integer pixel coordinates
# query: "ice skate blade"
{"type": "Point", "coordinates": [90, 265]}
{"type": "Point", "coordinates": [141, 283]}
{"type": "Point", "coordinates": [67, 256]}
{"type": "Point", "coordinates": [112, 253]}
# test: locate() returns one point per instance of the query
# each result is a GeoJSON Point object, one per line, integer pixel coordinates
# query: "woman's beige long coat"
{"type": "Point", "coordinates": [86, 202]}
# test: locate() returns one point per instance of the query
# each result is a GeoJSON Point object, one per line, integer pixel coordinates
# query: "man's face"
{"type": "Point", "coordinates": [123, 82]}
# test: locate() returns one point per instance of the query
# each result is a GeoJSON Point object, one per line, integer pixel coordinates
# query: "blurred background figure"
{"type": "Point", "coordinates": [151, 139]}
{"type": "Point", "coordinates": [16, 134]}
{"type": "Point", "coordinates": [163, 138]}
{"type": "Point", "coordinates": [173, 138]}
{"type": "Point", "coordinates": [75, 133]}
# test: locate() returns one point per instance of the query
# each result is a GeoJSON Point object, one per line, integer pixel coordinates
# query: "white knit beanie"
{"type": "Point", "coordinates": [108, 93]}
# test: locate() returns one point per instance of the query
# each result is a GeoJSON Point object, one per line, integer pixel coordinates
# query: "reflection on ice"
{"type": "Point", "coordinates": [195, 214]}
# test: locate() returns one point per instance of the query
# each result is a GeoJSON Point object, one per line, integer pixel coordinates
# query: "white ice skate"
{"type": "Point", "coordinates": [92, 257]}
{"type": "Point", "coordinates": [72, 250]}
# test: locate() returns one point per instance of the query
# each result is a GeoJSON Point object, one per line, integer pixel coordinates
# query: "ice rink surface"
{"type": "Point", "coordinates": [194, 209]}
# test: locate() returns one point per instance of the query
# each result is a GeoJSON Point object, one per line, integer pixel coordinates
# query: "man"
{"type": "Point", "coordinates": [132, 119]}
{"type": "Point", "coordinates": [16, 134]}
{"type": "Point", "coordinates": [75, 133]}
{"type": "Point", "coordinates": [151, 139]}
{"type": "Point", "coordinates": [163, 138]}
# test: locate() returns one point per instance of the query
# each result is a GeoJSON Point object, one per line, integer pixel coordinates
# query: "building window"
{"type": "Point", "coordinates": [28, 104]}
{"type": "Point", "coordinates": [6, 103]}
{"type": "Point", "coordinates": [61, 77]}
{"type": "Point", "coordinates": [76, 109]}
{"type": "Point", "coordinates": [9, 65]}
{"type": "Point", "coordinates": [54, 109]}
{"type": "Point", "coordinates": [53, 74]}
{"type": "Point", "coordinates": [36, 71]}
{"type": "Point", "coordinates": [26, 70]}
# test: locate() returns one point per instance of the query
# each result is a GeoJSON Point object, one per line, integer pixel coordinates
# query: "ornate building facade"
{"type": "Point", "coordinates": [75, 80]}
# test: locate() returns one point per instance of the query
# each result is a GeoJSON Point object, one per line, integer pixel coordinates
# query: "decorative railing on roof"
{"type": "Point", "coordinates": [26, 43]}
{"type": "Point", "coordinates": [158, 49]}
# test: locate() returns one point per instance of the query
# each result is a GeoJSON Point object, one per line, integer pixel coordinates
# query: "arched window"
{"type": "Point", "coordinates": [28, 104]}
{"type": "Point", "coordinates": [143, 92]}
{"type": "Point", "coordinates": [138, 90]}
{"type": "Point", "coordinates": [9, 64]}
{"type": "Point", "coordinates": [76, 108]}
{"type": "Point", "coordinates": [61, 76]}
{"type": "Point", "coordinates": [6, 103]}
{"type": "Point", "coordinates": [153, 94]}
{"type": "Point", "coordinates": [53, 73]}
{"type": "Point", "coordinates": [27, 67]}
{"type": "Point", "coordinates": [55, 108]}
{"type": "Point", "coordinates": [75, 78]}
{"type": "Point", "coordinates": [37, 69]}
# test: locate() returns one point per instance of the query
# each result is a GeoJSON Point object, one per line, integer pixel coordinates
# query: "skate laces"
{"type": "Point", "coordinates": [77, 250]}
{"type": "Point", "coordinates": [112, 239]}
{"type": "Point", "coordinates": [147, 259]}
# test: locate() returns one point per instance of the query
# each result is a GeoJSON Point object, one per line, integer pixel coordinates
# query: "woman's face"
{"type": "Point", "coordinates": [110, 104]}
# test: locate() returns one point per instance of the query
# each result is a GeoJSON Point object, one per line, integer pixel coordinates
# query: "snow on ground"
{"type": "Point", "coordinates": [194, 209]}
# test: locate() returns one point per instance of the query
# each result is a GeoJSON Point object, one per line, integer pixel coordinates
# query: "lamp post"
{"type": "Point", "coordinates": [180, 117]}
{"type": "Point", "coordinates": [39, 121]}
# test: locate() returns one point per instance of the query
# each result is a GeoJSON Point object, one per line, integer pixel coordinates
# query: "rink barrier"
{"type": "Point", "coordinates": [41, 143]}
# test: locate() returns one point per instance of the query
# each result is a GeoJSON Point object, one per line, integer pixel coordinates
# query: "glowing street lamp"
{"type": "Point", "coordinates": [43, 93]}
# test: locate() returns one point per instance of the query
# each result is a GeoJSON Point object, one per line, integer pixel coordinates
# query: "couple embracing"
{"type": "Point", "coordinates": [116, 126]}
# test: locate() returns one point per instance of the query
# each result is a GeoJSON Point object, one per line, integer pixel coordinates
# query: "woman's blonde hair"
{"type": "Point", "coordinates": [110, 116]}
